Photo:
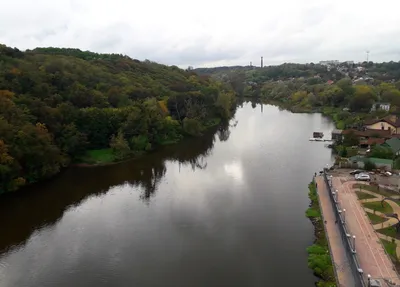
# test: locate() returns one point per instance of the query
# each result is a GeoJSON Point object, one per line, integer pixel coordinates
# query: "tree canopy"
{"type": "Point", "coordinates": [56, 104]}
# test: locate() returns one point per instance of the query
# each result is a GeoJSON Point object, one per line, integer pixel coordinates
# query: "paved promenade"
{"type": "Point", "coordinates": [339, 256]}
{"type": "Point", "coordinates": [370, 253]}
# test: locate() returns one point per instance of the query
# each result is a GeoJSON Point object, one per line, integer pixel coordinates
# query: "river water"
{"type": "Point", "coordinates": [226, 209]}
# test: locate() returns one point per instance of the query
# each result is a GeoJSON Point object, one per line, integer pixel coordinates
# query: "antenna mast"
{"type": "Point", "coordinates": [367, 55]}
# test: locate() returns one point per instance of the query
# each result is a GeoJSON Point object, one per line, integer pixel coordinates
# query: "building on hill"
{"type": "Point", "coordinates": [380, 106]}
{"type": "Point", "coordinates": [330, 62]}
{"type": "Point", "coordinates": [368, 143]}
{"type": "Point", "coordinates": [390, 123]}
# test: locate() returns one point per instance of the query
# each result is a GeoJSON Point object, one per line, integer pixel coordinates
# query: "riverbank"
{"type": "Point", "coordinates": [106, 156]}
{"type": "Point", "coordinates": [319, 259]}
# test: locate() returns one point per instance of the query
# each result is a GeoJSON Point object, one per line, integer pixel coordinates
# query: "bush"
{"type": "Point", "coordinates": [369, 165]}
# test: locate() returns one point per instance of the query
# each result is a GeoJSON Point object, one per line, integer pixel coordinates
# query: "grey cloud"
{"type": "Point", "coordinates": [171, 33]}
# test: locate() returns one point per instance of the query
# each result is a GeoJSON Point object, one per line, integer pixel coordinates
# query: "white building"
{"type": "Point", "coordinates": [380, 106]}
{"type": "Point", "coordinates": [329, 62]}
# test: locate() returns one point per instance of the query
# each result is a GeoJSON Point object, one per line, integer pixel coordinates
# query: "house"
{"type": "Point", "coordinates": [368, 138]}
{"type": "Point", "coordinates": [393, 144]}
{"type": "Point", "coordinates": [368, 133]}
{"type": "Point", "coordinates": [380, 163]}
{"type": "Point", "coordinates": [380, 106]}
{"type": "Point", "coordinates": [360, 69]}
{"type": "Point", "coordinates": [368, 143]}
{"type": "Point", "coordinates": [391, 123]}
{"type": "Point", "coordinates": [329, 82]}
{"type": "Point", "coordinates": [337, 135]}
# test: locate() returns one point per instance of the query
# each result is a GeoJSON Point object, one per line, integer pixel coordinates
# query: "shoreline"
{"type": "Point", "coordinates": [319, 251]}
{"type": "Point", "coordinates": [137, 156]}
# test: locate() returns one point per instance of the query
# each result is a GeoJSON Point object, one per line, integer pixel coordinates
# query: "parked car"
{"type": "Point", "coordinates": [363, 177]}
{"type": "Point", "coordinates": [356, 171]}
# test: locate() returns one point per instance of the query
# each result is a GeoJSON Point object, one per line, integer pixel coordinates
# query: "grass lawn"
{"type": "Point", "coordinates": [390, 248]}
{"type": "Point", "coordinates": [375, 219]}
{"type": "Point", "coordinates": [97, 156]}
{"type": "Point", "coordinates": [363, 195]}
{"type": "Point", "coordinates": [373, 188]}
{"type": "Point", "coordinates": [389, 231]}
{"type": "Point", "coordinates": [377, 206]}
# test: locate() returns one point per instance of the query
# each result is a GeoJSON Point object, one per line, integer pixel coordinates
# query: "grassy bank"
{"type": "Point", "coordinates": [319, 259]}
{"type": "Point", "coordinates": [107, 155]}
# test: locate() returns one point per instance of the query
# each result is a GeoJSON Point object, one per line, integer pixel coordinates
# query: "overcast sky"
{"type": "Point", "coordinates": [209, 32]}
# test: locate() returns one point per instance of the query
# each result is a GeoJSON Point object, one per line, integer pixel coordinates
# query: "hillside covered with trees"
{"type": "Point", "coordinates": [347, 92]}
{"type": "Point", "coordinates": [59, 106]}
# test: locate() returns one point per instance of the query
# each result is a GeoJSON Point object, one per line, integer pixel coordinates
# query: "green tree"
{"type": "Point", "coordinates": [343, 152]}
{"type": "Point", "coordinates": [350, 140]}
{"type": "Point", "coordinates": [120, 146]}
{"type": "Point", "coordinates": [192, 127]}
{"type": "Point", "coordinates": [381, 152]}
{"type": "Point", "coordinates": [363, 99]}
{"type": "Point", "coordinates": [369, 165]}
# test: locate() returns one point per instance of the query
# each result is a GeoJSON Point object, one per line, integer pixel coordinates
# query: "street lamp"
{"type": "Point", "coordinates": [369, 279]}
{"type": "Point", "coordinates": [344, 215]}
{"type": "Point", "coordinates": [354, 244]}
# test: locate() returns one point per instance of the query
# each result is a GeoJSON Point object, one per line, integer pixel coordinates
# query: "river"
{"type": "Point", "coordinates": [226, 209]}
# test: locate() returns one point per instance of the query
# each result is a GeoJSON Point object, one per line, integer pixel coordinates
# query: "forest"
{"type": "Point", "coordinates": [64, 106]}
{"type": "Point", "coordinates": [348, 92]}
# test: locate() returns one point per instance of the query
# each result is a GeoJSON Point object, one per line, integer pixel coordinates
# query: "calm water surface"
{"type": "Point", "coordinates": [226, 209]}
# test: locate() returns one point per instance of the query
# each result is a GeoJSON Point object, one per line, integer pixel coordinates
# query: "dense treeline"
{"type": "Point", "coordinates": [347, 92]}
{"type": "Point", "coordinates": [56, 104]}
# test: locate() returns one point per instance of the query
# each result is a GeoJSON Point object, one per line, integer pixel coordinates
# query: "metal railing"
{"type": "Point", "coordinates": [348, 240]}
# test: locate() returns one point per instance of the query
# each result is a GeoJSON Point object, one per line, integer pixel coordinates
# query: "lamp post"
{"type": "Point", "coordinates": [369, 280]}
{"type": "Point", "coordinates": [344, 215]}
{"type": "Point", "coordinates": [354, 244]}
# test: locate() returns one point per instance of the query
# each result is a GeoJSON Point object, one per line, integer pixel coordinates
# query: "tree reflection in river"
{"type": "Point", "coordinates": [77, 184]}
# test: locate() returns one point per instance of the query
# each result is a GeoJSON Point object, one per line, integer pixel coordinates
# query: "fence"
{"type": "Point", "coordinates": [348, 240]}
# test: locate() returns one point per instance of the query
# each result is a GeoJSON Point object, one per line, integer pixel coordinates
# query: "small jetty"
{"type": "Point", "coordinates": [318, 137]}
{"type": "Point", "coordinates": [319, 140]}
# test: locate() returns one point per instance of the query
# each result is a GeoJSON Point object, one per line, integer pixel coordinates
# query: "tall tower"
{"type": "Point", "coordinates": [251, 64]}
{"type": "Point", "coordinates": [262, 64]}
{"type": "Point", "coordinates": [367, 55]}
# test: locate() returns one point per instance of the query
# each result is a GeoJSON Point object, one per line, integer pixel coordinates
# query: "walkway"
{"type": "Point", "coordinates": [337, 247]}
{"type": "Point", "coordinates": [370, 252]}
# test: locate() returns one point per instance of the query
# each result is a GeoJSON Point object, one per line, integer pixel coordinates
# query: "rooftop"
{"type": "Point", "coordinates": [391, 119]}
{"type": "Point", "coordinates": [394, 144]}
{"type": "Point", "coordinates": [375, 160]}
{"type": "Point", "coordinates": [369, 133]}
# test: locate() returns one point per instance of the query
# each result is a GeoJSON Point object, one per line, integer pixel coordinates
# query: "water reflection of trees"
{"type": "Point", "coordinates": [44, 204]}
